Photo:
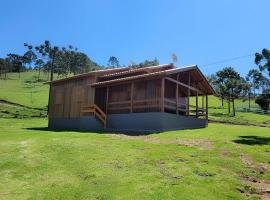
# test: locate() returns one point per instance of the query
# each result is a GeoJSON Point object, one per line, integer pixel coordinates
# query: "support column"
{"type": "Point", "coordinates": [131, 96]}
{"type": "Point", "coordinates": [206, 111]}
{"type": "Point", "coordinates": [162, 95]}
{"type": "Point", "coordinates": [188, 94]}
{"type": "Point", "coordinates": [176, 95]}
{"type": "Point", "coordinates": [202, 104]}
{"type": "Point", "coordinates": [197, 104]}
{"type": "Point", "coordinates": [107, 100]}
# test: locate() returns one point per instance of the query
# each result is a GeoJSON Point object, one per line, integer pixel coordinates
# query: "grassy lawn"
{"type": "Point", "coordinates": [25, 90]}
{"type": "Point", "coordinates": [217, 162]}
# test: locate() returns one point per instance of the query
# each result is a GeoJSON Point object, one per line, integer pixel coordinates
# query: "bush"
{"type": "Point", "coordinates": [263, 101]}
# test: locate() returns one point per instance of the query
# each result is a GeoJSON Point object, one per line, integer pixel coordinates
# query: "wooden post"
{"type": "Point", "coordinates": [197, 104]}
{"type": "Point", "coordinates": [176, 95]}
{"type": "Point", "coordinates": [162, 95]}
{"type": "Point", "coordinates": [131, 96]}
{"type": "Point", "coordinates": [206, 111]}
{"type": "Point", "coordinates": [188, 94]}
{"type": "Point", "coordinates": [202, 104]}
{"type": "Point", "coordinates": [107, 99]}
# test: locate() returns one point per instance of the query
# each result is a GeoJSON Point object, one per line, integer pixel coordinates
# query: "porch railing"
{"type": "Point", "coordinates": [96, 111]}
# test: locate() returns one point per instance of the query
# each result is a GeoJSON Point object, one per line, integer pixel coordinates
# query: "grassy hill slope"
{"type": "Point", "coordinates": [25, 90]}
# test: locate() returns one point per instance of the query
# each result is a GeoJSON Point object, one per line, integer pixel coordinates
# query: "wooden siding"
{"type": "Point", "coordinates": [67, 98]}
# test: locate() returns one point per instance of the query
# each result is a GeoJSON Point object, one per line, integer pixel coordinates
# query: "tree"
{"type": "Point", "coordinates": [213, 80]}
{"type": "Point", "coordinates": [69, 60]}
{"type": "Point", "coordinates": [230, 84]}
{"type": "Point", "coordinates": [29, 57]}
{"type": "Point", "coordinates": [113, 62]}
{"type": "Point", "coordinates": [146, 63]}
{"type": "Point", "coordinates": [48, 52]}
{"type": "Point", "coordinates": [4, 67]}
{"type": "Point", "coordinates": [174, 58]}
{"type": "Point", "coordinates": [255, 78]}
{"type": "Point", "coordinates": [263, 60]}
{"type": "Point", "coordinates": [16, 62]}
{"type": "Point", "coordinates": [39, 63]}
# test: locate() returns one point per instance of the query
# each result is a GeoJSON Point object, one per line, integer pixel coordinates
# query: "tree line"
{"type": "Point", "coordinates": [229, 85]}
{"type": "Point", "coordinates": [62, 61]}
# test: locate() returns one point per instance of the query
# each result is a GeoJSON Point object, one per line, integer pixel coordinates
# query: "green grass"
{"type": "Point", "coordinates": [11, 111]}
{"type": "Point", "coordinates": [25, 90]}
{"type": "Point", "coordinates": [192, 164]}
{"type": "Point", "coordinates": [217, 112]}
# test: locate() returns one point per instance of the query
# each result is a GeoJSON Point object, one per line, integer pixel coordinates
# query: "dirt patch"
{"type": "Point", "coordinates": [254, 185]}
{"type": "Point", "coordinates": [201, 143]}
{"type": "Point", "coordinates": [261, 167]}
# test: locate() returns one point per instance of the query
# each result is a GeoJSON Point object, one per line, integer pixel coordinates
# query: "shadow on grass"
{"type": "Point", "coordinates": [92, 131]}
{"type": "Point", "coordinates": [253, 140]}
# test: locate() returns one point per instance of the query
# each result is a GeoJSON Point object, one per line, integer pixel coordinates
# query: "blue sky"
{"type": "Point", "coordinates": [199, 32]}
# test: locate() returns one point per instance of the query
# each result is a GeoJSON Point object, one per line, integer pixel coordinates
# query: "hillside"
{"type": "Point", "coordinates": [32, 97]}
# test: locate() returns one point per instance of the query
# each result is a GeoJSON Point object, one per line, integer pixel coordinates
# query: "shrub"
{"type": "Point", "coordinates": [263, 101]}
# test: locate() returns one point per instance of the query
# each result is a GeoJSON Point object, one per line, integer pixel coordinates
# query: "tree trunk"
{"type": "Point", "coordinates": [38, 73]}
{"type": "Point", "coordinates": [222, 100]}
{"type": "Point", "coordinates": [254, 93]}
{"type": "Point", "coordinates": [52, 66]}
{"type": "Point", "coordinates": [233, 106]}
{"type": "Point", "coordinates": [229, 106]}
{"type": "Point", "coordinates": [249, 101]}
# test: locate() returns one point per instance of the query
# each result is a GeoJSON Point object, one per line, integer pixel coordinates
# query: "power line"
{"type": "Point", "coordinates": [227, 60]}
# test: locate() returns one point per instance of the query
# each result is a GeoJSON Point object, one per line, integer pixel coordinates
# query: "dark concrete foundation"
{"type": "Point", "coordinates": [132, 122]}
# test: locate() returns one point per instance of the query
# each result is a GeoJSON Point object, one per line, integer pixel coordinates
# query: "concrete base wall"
{"type": "Point", "coordinates": [132, 122]}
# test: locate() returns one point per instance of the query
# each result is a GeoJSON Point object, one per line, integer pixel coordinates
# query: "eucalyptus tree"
{"type": "Point", "coordinates": [254, 78]}
{"type": "Point", "coordinates": [263, 60]}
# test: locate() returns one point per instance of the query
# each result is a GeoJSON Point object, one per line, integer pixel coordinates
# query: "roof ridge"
{"type": "Point", "coordinates": [137, 69]}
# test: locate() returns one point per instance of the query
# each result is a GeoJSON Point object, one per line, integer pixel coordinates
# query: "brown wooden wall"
{"type": "Point", "coordinates": [68, 97]}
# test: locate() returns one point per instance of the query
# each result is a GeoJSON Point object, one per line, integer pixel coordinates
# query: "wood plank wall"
{"type": "Point", "coordinates": [68, 97]}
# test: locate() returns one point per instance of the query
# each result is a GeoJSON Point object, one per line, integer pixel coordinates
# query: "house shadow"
{"type": "Point", "coordinates": [46, 129]}
{"type": "Point", "coordinates": [253, 140]}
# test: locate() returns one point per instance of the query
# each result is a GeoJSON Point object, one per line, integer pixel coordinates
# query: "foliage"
{"type": "Point", "coordinates": [254, 78]}
{"type": "Point", "coordinates": [113, 62]}
{"type": "Point", "coordinates": [263, 60]}
{"type": "Point", "coordinates": [263, 101]}
{"type": "Point", "coordinates": [146, 63]}
{"type": "Point", "coordinates": [62, 60]}
{"type": "Point", "coordinates": [230, 85]}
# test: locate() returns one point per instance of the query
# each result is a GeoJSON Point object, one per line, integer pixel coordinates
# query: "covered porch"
{"type": "Point", "coordinates": [182, 93]}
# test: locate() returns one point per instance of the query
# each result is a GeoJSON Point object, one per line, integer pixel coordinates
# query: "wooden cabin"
{"type": "Point", "coordinates": [149, 99]}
